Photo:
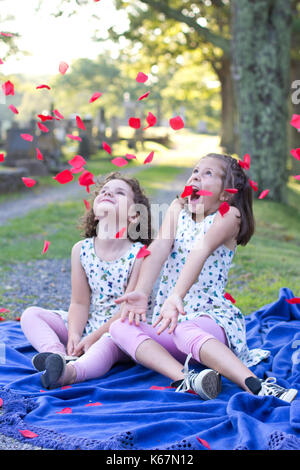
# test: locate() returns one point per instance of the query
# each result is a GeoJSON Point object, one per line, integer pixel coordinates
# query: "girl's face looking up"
{"type": "Point", "coordinates": [207, 175]}
{"type": "Point", "coordinates": [117, 197]}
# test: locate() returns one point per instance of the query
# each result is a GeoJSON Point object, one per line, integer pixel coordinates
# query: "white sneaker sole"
{"type": "Point", "coordinates": [208, 384]}
{"type": "Point", "coordinates": [289, 395]}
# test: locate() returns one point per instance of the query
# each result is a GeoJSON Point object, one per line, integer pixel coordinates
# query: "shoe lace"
{"type": "Point", "coordinates": [269, 387]}
{"type": "Point", "coordinates": [189, 377]}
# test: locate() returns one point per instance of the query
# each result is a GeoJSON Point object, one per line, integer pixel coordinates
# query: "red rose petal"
{"type": "Point", "coordinates": [80, 124]}
{"type": "Point", "coordinates": [203, 192]}
{"type": "Point", "coordinates": [27, 433]}
{"type": "Point", "coordinates": [144, 96]}
{"type": "Point", "coordinates": [121, 232]}
{"type": "Point", "coordinates": [119, 161]}
{"type": "Point", "coordinates": [229, 297]}
{"type": "Point", "coordinates": [44, 118]}
{"type": "Point", "coordinates": [1, 157]}
{"type": "Point", "coordinates": [106, 147]}
{"type": "Point", "coordinates": [1, 402]}
{"type": "Point", "coordinates": [297, 177]}
{"type": "Point", "coordinates": [46, 246]}
{"type": "Point", "coordinates": [13, 109]}
{"type": "Point", "coordinates": [39, 87]}
{"type": "Point", "coordinates": [130, 156]}
{"type": "Point", "coordinates": [149, 158]}
{"type": "Point", "coordinates": [29, 182]}
{"type": "Point", "coordinates": [87, 204]}
{"type": "Point", "coordinates": [141, 77]}
{"type": "Point", "coordinates": [253, 185]}
{"type": "Point", "coordinates": [86, 179]}
{"type": "Point", "coordinates": [57, 114]}
{"type": "Point", "coordinates": [64, 411]}
{"type": "Point", "coordinates": [42, 127]}
{"type": "Point", "coordinates": [295, 121]}
{"type": "Point", "coordinates": [63, 67]}
{"type": "Point", "coordinates": [151, 119]}
{"type": "Point", "coordinates": [187, 191]}
{"type": "Point", "coordinates": [75, 170]}
{"type": "Point", "coordinates": [39, 154]}
{"type": "Point", "coordinates": [143, 252]}
{"type": "Point", "coordinates": [134, 122]}
{"type": "Point", "coordinates": [4, 310]}
{"type": "Point", "coordinates": [27, 137]}
{"type": "Point", "coordinates": [176, 123]}
{"type": "Point", "coordinates": [78, 161]}
{"type": "Point", "coordinates": [8, 88]}
{"type": "Point", "coordinates": [296, 153]}
{"type": "Point", "coordinates": [224, 207]}
{"type": "Point", "coordinates": [95, 96]}
{"type": "Point", "coordinates": [231, 190]}
{"type": "Point", "coordinates": [1, 62]}
{"type": "Point", "coordinates": [63, 177]}
{"type": "Point", "coordinates": [7, 35]}
{"type": "Point", "coordinates": [263, 193]}
{"type": "Point", "coordinates": [74, 137]}
{"type": "Point", "coordinates": [2, 319]}
{"type": "Point", "coordinates": [246, 162]}
{"type": "Point", "coordinates": [97, 403]}
{"type": "Point", "coordinates": [204, 443]}
{"type": "Point", "coordinates": [65, 387]}
{"type": "Point", "coordinates": [294, 300]}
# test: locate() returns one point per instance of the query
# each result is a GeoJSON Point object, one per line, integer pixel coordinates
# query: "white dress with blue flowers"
{"type": "Point", "coordinates": [206, 296]}
{"type": "Point", "coordinates": [108, 280]}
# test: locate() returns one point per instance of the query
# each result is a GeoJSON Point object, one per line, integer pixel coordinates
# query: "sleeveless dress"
{"type": "Point", "coordinates": [206, 296]}
{"type": "Point", "coordinates": [108, 280]}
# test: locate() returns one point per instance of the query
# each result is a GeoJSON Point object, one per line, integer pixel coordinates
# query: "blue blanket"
{"type": "Point", "coordinates": [133, 408]}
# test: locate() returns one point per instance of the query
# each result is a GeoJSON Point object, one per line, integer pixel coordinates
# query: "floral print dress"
{"type": "Point", "coordinates": [206, 296]}
{"type": "Point", "coordinates": [108, 281]}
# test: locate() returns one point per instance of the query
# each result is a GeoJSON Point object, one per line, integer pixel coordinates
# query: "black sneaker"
{"type": "Point", "coordinates": [54, 368]}
{"type": "Point", "coordinates": [39, 360]}
{"type": "Point", "coordinates": [270, 388]}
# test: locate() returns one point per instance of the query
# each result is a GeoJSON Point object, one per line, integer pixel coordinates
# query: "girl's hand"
{"type": "Point", "coordinates": [73, 341]}
{"type": "Point", "coordinates": [168, 316]}
{"type": "Point", "coordinates": [86, 343]}
{"type": "Point", "coordinates": [135, 306]}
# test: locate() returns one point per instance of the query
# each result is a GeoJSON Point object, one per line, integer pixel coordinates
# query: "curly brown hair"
{"type": "Point", "coordinates": [88, 224]}
{"type": "Point", "coordinates": [235, 177]}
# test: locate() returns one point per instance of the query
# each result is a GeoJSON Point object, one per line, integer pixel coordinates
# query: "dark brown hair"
{"type": "Point", "coordinates": [88, 224]}
{"type": "Point", "coordinates": [235, 177]}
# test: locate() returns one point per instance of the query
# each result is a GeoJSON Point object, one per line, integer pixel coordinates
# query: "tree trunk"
{"type": "Point", "coordinates": [261, 61]}
{"type": "Point", "coordinates": [228, 113]}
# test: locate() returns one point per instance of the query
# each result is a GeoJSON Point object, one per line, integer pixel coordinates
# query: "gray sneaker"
{"type": "Point", "coordinates": [39, 360]}
{"type": "Point", "coordinates": [206, 384]}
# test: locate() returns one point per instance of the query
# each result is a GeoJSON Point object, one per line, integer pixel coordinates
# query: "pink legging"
{"type": "Point", "coordinates": [188, 337]}
{"type": "Point", "coordinates": [47, 332]}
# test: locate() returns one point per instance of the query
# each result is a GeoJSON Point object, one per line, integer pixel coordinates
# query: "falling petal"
{"type": "Point", "coordinates": [74, 137]}
{"type": "Point", "coordinates": [27, 137]}
{"type": "Point", "coordinates": [39, 87]}
{"type": "Point", "coordinates": [296, 153]}
{"type": "Point", "coordinates": [130, 156]}
{"type": "Point", "coordinates": [176, 123]}
{"type": "Point", "coordinates": [246, 162]}
{"type": "Point", "coordinates": [95, 96]}
{"type": "Point", "coordinates": [294, 300]}
{"type": "Point", "coordinates": [1, 157]}
{"type": "Point", "coordinates": [57, 114]}
{"type": "Point", "coordinates": [141, 77]}
{"type": "Point", "coordinates": [39, 154]}
{"type": "Point", "coordinates": [80, 124]}
{"type": "Point", "coordinates": [151, 119]}
{"type": "Point", "coordinates": [13, 109]}
{"type": "Point", "coordinates": [231, 190]}
{"type": "Point", "coordinates": [143, 252]}
{"type": "Point", "coordinates": [4, 310]}
{"type": "Point", "coordinates": [297, 177]}
{"type": "Point", "coordinates": [229, 297]}
{"type": "Point", "coordinates": [87, 204]}
{"type": "Point", "coordinates": [63, 67]}
{"type": "Point", "coordinates": [86, 179]}
{"type": "Point", "coordinates": [253, 185]}
{"type": "Point", "coordinates": [295, 121]}
{"type": "Point", "coordinates": [119, 161]}
{"type": "Point", "coordinates": [203, 192]}
{"type": "Point", "coordinates": [46, 246]}
{"type": "Point", "coordinates": [149, 158]}
{"type": "Point", "coordinates": [224, 208]}
{"type": "Point", "coordinates": [63, 177]}
{"type": "Point", "coordinates": [44, 117]}
{"type": "Point", "coordinates": [187, 191]}
{"type": "Point", "coordinates": [106, 147]}
{"type": "Point", "coordinates": [121, 232]}
{"type": "Point", "coordinates": [78, 161]}
{"type": "Point", "coordinates": [42, 127]}
{"type": "Point", "coordinates": [8, 88]}
{"type": "Point", "coordinates": [263, 194]}
{"type": "Point", "coordinates": [144, 96]}
{"type": "Point", "coordinates": [135, 123]}
{"type": "Point", "coordinates": [29, 182]}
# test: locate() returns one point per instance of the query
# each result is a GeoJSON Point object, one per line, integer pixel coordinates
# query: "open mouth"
{"type": "Point", "coordinates": [194, 197]}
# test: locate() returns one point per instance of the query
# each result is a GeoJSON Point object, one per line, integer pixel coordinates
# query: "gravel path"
{"type": "Point", "coordinates": [47, 282]}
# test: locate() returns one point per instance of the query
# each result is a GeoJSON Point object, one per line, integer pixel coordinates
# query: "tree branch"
{"type": "Point", "coordinates": [209, 36]}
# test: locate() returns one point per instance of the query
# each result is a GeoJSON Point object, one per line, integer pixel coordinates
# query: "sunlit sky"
{"type": "Point", "coordinates": [50, 40]}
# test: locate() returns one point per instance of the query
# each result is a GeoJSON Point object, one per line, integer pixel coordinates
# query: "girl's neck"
{"type": "Point", "coordinates": [111, 249]}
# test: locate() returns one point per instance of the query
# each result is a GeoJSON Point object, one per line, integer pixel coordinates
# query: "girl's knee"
{"type": "Point", "coordinates": [29, 314]}
{"type": "Point", "coordinates": [116, 328]}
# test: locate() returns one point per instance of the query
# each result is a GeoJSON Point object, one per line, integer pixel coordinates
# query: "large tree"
{"type": "Point", "coordinates": [261, 59]}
